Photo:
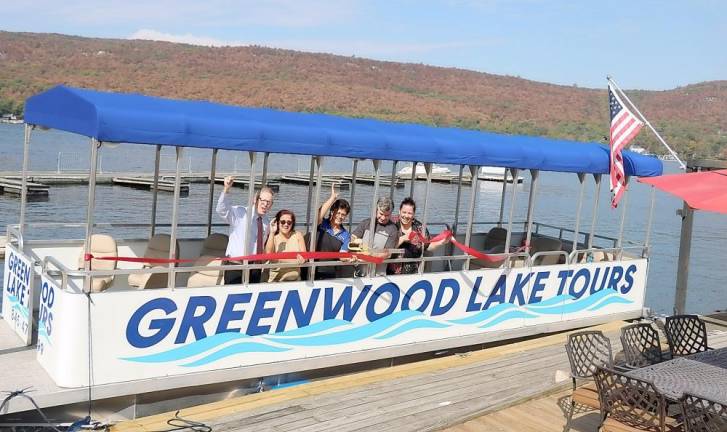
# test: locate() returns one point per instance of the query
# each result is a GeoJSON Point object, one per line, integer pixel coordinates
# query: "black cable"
{"type": "Point", "coordinates": [182, 424]}
{"type": "Point", "coordinates": [23, 393]}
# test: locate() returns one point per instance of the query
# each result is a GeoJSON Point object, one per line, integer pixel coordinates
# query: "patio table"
{"type": "Point", "coordinates": [702, 374]}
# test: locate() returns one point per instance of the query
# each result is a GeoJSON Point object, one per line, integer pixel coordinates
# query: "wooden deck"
{"type": "Point", "coordinates": [506, 383]}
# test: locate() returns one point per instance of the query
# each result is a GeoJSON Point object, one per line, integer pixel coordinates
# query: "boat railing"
{"type": "Point", "coordinates": [15, 237]}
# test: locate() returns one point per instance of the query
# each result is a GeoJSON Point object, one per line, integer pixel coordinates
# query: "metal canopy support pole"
{"type": "Point", "coordinates": [155, 190]}
{"type": "Point", "coordinates": [685, 247]}
{"type": "Point", "coordinates": [596, 199]}
{"type": "Point", "coordinates": [582, 180]}
{"type": "Point", "coordinates": [413, 179]}
{"type": "Point", "coordinates": [393, 181]}
{"type": "Point", "coordinates": [471, 211]}
{"type": "Point", "coordinates": [172, 280]}
{"type": "Point", "coordinates": [251, 215]}
{"type": "Point", "coordinates": [428, 169]}
{"type": "Point", "coordinates": [508, 237]}
{"type": "Point", "coordinates": [264, 181]}
{"type": "Point", "coordinates": [353, 193]}
{"type": "Point", "coordinates": [24, 177]}
{"type": "Point", "coordinates": [457, 200]}
{"type": "Point", "coordinates": [318, 164]}
{"type": "Point", "coordinates": [95, 145]}
{"type": "Point", "coordinates": [624, 202]}
{"type": "Point", "coordinates": [310, 222]}
{"type": "Point", "coordinates": [534, 174]}
{"type": "Point", "coordinates": [502, 197]}
{"type": "Point", "coordinates": [372, 223]}
{"type": "Point", "coordinates": [211, 201]}
{"type": "Point", "coordinates": [650, 221]}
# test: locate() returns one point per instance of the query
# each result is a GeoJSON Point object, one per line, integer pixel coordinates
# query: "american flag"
{"type": "Point", "coordinates": [624, 127]}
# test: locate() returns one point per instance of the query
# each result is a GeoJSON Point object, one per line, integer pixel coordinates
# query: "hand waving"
{"type": "Point", "coordinates": [229, 180]}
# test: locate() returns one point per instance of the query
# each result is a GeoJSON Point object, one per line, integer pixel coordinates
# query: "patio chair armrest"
{"type": "Point", "coordinates": [624, 367]}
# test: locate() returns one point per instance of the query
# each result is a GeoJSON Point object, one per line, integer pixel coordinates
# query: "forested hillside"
{"type": "Point", "coordinates": [692, 118]}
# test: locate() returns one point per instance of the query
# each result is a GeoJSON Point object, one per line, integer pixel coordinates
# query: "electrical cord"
{"type": "Point", "coordinates": [181, 424]}
{"type": "Point", "coordinates": [24, 393]}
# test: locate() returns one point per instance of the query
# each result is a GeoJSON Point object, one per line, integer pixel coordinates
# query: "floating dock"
{"type": "Point", "coordinates": [148, 183]}
{"type": "Point", "coordinates": [425, 395]}
{"type": "Point", "coordinates": [303, 180]}
{"type": "Point", "coordinates": [243, 183]}
{"type": "Point", "coordinates": [14, 187]}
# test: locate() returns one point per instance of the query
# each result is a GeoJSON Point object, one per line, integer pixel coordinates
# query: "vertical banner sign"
{"type": "Point", "coordinates": [18, 293]}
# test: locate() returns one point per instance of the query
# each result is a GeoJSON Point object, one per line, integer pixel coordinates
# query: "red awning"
{"type": "Point", "coordinates": [706, 190]}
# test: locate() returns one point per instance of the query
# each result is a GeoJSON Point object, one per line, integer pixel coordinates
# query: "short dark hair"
{"type": "Point", "coordinates": [284, 212]}
{"type": "Point", "coordinates": [408, 201]}
{"type": "Point", "coordinates": [340, 204]}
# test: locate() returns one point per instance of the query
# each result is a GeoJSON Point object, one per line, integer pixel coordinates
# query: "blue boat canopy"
{"type": "Point", "coordinates": [135, 118]}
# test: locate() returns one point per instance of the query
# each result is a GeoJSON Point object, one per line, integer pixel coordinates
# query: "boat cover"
{"type": "Point", "coordinates": [136, 118]}
{"type": "Point", "coordinates": [706, 190]}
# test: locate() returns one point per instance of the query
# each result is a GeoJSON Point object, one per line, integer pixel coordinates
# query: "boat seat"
{"type": "Point", "coordinates": [158, 247]}
{"type": "Point", "coordinates": [597, 256]}
{"type": "Point", "coordinates": [215, 245]}
{"type": "Point", "coordinates": [206, 278]}
{"type": "Point", "coordinates": [546, 244]}
{"type": "Point", "coordinates": [102, 245]}
{"type": "Point", "coordinates": [495, 237]}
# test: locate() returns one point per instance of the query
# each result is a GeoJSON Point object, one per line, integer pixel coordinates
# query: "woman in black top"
{"type": "Point", "coordinates": [407, 223]}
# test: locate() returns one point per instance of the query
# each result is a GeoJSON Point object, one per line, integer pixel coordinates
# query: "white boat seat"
{"type": "Point", "coordinates": [102, 245]}
{"type": "Point", "coordinates": [215, 245]}
{"type": "Point", "coordinates": [545, 244]}
{"type": "Point", "coordinates": [158, 247]}
{"type": "Point", "coordinates": [596, 256]}
{"type": "Point", "coordinates": [206, 278]}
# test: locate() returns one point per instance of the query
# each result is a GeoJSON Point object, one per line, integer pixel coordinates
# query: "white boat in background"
{"type": "Point", "coordinates": [436, 169]}
{"type": "Point", "coordinates": [491, 173]}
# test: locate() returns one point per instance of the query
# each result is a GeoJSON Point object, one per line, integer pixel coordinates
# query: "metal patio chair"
{"type": "Point", "coordinates": [631, 404]}
{"type": "Point", "coordinates": [687, 334]}
{"type": "Point", "coordinates": [641, 345]}
{"type": "Point", "coordinates": [587, 351]}
{"type": "Point", "coordinates": [703, 415]}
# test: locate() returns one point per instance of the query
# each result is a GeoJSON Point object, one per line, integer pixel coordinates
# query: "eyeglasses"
{"type": "Point", "coordinates": [264, 201]}
{"type": "Point", "coordinates": [286, 222]}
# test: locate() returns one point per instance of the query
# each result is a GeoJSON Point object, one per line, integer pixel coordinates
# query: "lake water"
{"type": "Point", "coordinates": [556, 204]}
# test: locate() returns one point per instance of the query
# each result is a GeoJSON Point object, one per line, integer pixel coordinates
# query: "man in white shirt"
{"type": "Point", "coordinates": [236, 216]}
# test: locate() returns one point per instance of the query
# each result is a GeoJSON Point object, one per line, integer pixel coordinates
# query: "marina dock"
{"type": "Point", "coordinates": [148, 183]}
{"type": "Point", "coordinates": [14, 187]}
{"type": "Point", "coordinates": [453, 391]}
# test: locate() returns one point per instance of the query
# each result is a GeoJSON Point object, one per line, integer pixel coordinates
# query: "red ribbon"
{"type": "Point", "coordinates": [464, 248]}
{"type": "Point", "coordinates": [255, 257]}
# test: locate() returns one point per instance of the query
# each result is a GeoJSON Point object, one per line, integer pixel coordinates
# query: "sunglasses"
{"type": "Point", "coordinates": [286, 222]}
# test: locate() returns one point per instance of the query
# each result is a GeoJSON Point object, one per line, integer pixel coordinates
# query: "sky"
{"type": "Point", "coordinates": [642, 44]}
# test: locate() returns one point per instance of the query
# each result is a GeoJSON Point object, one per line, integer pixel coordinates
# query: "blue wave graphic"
{"type": "Point", "coordinates": [189, 350]}
{"type": "Point", "coordinates": [351, 335]}
{"type": "Point", "coordinates": [42, 332]}
{"type": "Point", "coordinates": [485, 314]}
{"type": "Point", "coordinates": [314, 328]}
{"type": "Point", "coordinates": [555, 301]}
{"type": "Point", "coordinates": [608, 301]}
{"type": "Point", "coordinates": [412, 325]}
{"type": "Point", "coordinates": [244, 347]}
{"type": "Point", "coordinates": [509, 315]}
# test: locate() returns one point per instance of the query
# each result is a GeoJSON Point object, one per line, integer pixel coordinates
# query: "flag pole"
{"type": "Point", "coordinates": [673, 153]}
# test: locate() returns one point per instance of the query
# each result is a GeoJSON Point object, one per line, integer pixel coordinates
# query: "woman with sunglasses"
{"type": "Point", "coordinates": [284, 238]}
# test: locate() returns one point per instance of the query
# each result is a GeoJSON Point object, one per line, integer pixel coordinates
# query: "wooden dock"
{"type": "Point", "coordinates": [421, 396]}
{"type": "Point", "coordinates": [244, 183]}
{"type": "Point", "coordinates": [303, 180]}
{"type": "Point", "coordinates": [148, 183]}
{"type": "Point", "coordinates": [14, 187]}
